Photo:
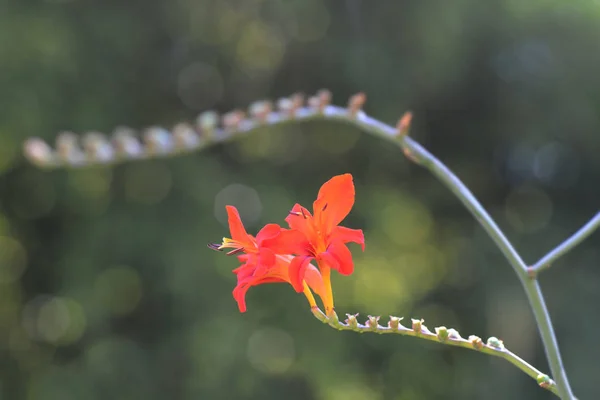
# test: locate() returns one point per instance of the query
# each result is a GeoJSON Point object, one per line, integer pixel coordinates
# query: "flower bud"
{"type": "Point", "coordinates": [495, 343]}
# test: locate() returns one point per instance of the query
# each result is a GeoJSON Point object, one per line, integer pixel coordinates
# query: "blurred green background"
{"type": "Point", "coordinates": [107, 288]}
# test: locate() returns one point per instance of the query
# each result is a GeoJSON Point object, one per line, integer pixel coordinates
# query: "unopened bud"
{"type": "Point", "coordinates": [403, 126]}
{"type": "Point", "coordinates": [185, 137]}
{"type": "Point", "coordinates": [324, 97]}
{"type": "Point", "coordinates": [284, 105]}
{"type": "Point", "coordinates": [157, 140]}
{"type": "Point", "coordinates": [495, 343]}
{"type": "Point", "coordinates": [207, 123]}
{"type": "Point", "coordinates": [476, 342]}
{"type": "Point", "coordinates": [97, 147]}
{"type": "Point", "coordinates": [297, 102]}
{"type": "Point", "coordinates": [442, 333]}
{"type": "Point", "coordinates": [544, 381]}
{"type": "Point", "coordinates": [38, 152]}
{"type": "Point", "coordinates": [352, 321]}
{"type": "Point", "coordinates": [394, 322]}
{"type": "Point", "coordinates": [260, 110]}
{"type": "Point", "coordinates": [417, 325]}
{"type": "Point", "coordinates": [125, 142]}
{"type": "Point", "coordinates": [372, 323]}
{"type": "Point", "coordinates": [356, 103]}
{"type": "Point", "coordinates": [232, 119]}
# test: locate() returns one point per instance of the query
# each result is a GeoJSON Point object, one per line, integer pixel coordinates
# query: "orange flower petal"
{"type": "Point", "coordinates": [314, 280]}
{"type": "Point", "coordinates": [288, 242]}
{"type": "Point", "coordinates": [253, 274]}
{"type": "Point", "coordinates": [297, 271]}
{"type": "Point", "coordinates": [338, 257]}
{"type": "Point", "coordinates": [266, 258]}
{"type": "Point", "coordinates": [269, 231]}
{"type": "Point", "coordinates": [300, 219]}
{"type": "Point", "coordinates": [334, 202]}
{"type": "Point", "coordinates": [346, 235]}
{"type": "Point", "coordinates": [236, 227]}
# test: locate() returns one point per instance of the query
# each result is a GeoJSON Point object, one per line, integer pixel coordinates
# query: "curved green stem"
{"type": "Point", "coordinates": [566, 246]}
{"type": "Point", "coordinates": [160, 143]}
{"type": "Point", "coordinates": [493, 346]}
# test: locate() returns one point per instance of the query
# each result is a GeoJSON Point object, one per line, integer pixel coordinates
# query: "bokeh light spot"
{"type": "Point", "coordinates": [244, 198]}
{"type": "Point", "coordinates": [379, 287]}
{"type": "Point", "coordinates": [557, 165]}
{"type": "Point", "coordinates": [352, 391]}
{"type": "Point", "coordinates": [214, 24]}
{"type": "Point", "coordinates": [119, 289]}
{"type": "Point", "coordinates": [406, 222]}
{"type": "Point", "coordinates": [91, 183]}
{"type": "Point", "coordinates": [53, 319]}
{"type": "Point", "coordinates": [271, 350]}
{"type": "Point", "coordinates": [199, 86]}
{"type": "Point", "coordinates": [260, 49]}
{"type": "Point", "coordinates": [13, 259]}
{"type": "Point", "coordinates": [528, 209]}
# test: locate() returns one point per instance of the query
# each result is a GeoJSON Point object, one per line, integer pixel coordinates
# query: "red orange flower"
{"type": "Point", "coordinates": [261, 264]}
{"type": "Point", "coordinates": [318, 236]}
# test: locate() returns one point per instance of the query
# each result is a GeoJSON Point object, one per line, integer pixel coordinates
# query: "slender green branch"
{"type": "Point", "coordinates": [566, 246]}
{"type": "Point", "coordinates": [448, 336]}
{"type": "Point", "coordinates": [123, 146]}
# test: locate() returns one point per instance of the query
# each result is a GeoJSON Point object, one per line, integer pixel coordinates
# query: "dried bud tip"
{"type": "Point", "coordinates": [324, 97]}
{"type": "Point", "coordinates": [372, 322]}
{"type": "Point", "coordinates": [403, 125]}
{"type": "Point", "coordinates": [260, 110]}
{"type": "Point", "coordinates": [495, 343]}
{"type": "Point", "coordinates": [232, 119]}
{"type": "Point", "coordinates": [284, 104]}
{"type": "Point", "coordinates": [65, 142]}
{"type": "Point", "coordinates": [207, 122]}
{"type": "Point", "coordinates": [442, 333]}
{"type": "Point", "coordinates": [37, 151]}
{"type": "Point", "coordinates": [185, 136]}
{"type": "Point", "coordinates": [125, 142]}
{"type": "Point", "coordinates": [544, 381]}
{"type": "Point", "coordinates": [394, 322]}
{"type": "Point", "coordinates": [157, 140]}
{"type": "Point", "coordinates": [476, 342]}
{"type": "Point", "coordinates": [356, 103]}
{"type": "Point", "coordinates": [297, 102]}
{"type": "Point", "coordinates": [417, 325]}
{"type": "Point", "coordinates": [351, 320]}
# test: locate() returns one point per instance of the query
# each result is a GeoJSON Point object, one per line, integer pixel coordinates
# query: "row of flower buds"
{"type": "Point", "coordinates": [417, 328]}
{"type": "Point", "coordinates": [442, 334]}
{"type": "Point", "coordinates": [124, 143]}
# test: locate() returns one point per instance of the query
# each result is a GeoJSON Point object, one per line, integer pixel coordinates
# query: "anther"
{"type": "Point", "coordinates": [299, 213]}
{"type": "Point", "coordinates": [214, 246]}
{"type": "Point", "coordinates": [235, 251]}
